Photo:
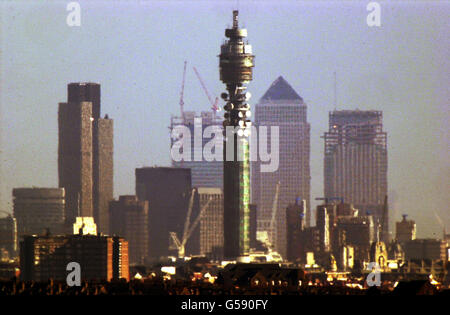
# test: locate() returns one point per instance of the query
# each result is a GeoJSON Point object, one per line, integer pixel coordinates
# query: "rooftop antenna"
{"type": "Point", "coordinates": [182, 92]}
{"type": "Point", "coordinates": [335, 90]}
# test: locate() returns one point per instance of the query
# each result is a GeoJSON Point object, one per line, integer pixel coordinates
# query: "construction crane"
{"type": "Point", "coordinates": [188, 230]}
{"type": "Point", "coordinates": [274, 214]}
{"type": "Point", "coordinates": [182, 92]}
{"type": "Point", "coordinates": [214, 104]}
{"type": "Point", "coordinates": [7, 213]}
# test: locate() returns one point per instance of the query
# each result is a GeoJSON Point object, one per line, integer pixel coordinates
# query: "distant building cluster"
{"type": "Point", "coordinates": [178, 211]}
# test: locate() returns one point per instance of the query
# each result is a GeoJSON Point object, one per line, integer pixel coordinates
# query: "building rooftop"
{"type": "Point", "coordinates": [281, 90]}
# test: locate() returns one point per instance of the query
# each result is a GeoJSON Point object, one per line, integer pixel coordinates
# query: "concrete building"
{"type": "Point", "coordinates": [311, 245]}
{"type": "Point", "coordinates": [168, 191]}
{"type": "Point", "coordinates": [101, 258]}
{"type": "Point", "coordinates": [211, 223]}
{"type": "Point", "coordinates": [355, 163]}
{"type": "Point", "coordinates": [204, 173]}
{"type": "Point", "coordinates": [405, 230]}
{"type": "Point", "coordinates": [129, 219]}
{"type": "Point", "coordinates": [103, 167]}
{"type": "Point", "coordinates": [85, 155]}
{"type": "Point", "coordinates": [359, 233]}
{"type": "Point", "coordinates": [8, 236]}
{"type": "Point", "coordinates": [281, 106]}
{"type": "Point", "coordinates": [295, 225]}
{"type": "Point", "coordinates": [425, 249]}
{"type": "Point", "coordinates": [38, 209]}
{"type": "Point", "coordinates": [75, 158]}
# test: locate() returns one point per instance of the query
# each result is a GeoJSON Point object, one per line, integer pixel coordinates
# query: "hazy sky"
{"type": "Point", "coordinates": [136, 50]}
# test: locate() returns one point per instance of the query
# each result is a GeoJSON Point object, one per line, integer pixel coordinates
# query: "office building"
{"type": "Point", "coordinates": [359, 233]}
{"type": "Point", "coordinates": [8, 236]}
{"type": "Point", "coordinates": [425, 249]}
{"type": "Point", "coordinates": [355, 163]}
{"type": "Point", "coordinates": [129, 219]}
{"type": "Point", "coordinates": [405, 230]}
{"type": "Point", "coordinates": [168, 191]}
{"type": "Point", "coordinates": [85, 155]}
{"type": "Point", "coordinates": [38, 209]}
{"type": "Point", "coordinates": [211, 222]}
{"type": "Point", "coordinates": [325, 224]}
{"type": "Point", "coordinates": [282, 107]}
{"type": "Point", "coordinates": [295, 225]}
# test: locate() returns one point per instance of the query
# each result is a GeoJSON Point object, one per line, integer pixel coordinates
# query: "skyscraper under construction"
{"type": "Point", "coordinates": [355, 165]}
{"type": "Point", "coordinates": [204, 173]}
{"type": "Point", "coordinates": [236, 63]}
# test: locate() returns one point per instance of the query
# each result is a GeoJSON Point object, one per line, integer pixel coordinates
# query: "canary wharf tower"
{"type": "Point", "coordinates": [236, 63]}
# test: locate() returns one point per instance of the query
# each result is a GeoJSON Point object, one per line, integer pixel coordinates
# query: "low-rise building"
{"type": "Point", "coordinates": [100, 257]}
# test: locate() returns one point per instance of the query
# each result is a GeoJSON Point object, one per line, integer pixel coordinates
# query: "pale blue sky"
{"type": "Point", "coordinates": [136, 50]}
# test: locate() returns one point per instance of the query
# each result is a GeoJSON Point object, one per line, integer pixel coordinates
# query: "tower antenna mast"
{"type": "Point", "coordinates": [335, 90]}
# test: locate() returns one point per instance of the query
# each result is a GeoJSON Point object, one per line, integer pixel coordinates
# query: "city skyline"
{"type": "Point", "coordinates": [140, 146]}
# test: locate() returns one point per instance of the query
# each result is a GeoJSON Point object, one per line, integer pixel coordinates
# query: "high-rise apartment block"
{"type": "Point", "coordinates": [85, 155]}
{"type": "Point", "coordinates": [282, 107]}
{"type": "Point", "coordinates": [129, 219]}
{"type": "Point", "coordinates": [38, 209]}
{"type": "Point", "coordinates": [355, 163]}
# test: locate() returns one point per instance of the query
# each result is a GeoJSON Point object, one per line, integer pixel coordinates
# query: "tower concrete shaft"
{"type": "Point", "coordinates": [236, 63]}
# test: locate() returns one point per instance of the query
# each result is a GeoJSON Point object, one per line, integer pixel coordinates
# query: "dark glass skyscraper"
{"type": "Point", "coordinates": [168, 190]}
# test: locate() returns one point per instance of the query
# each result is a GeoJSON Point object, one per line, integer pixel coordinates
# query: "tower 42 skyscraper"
{"type": "Point", "coordinates": [236, 63]}
{"type": "Point", "coordinates": [85, 154]}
